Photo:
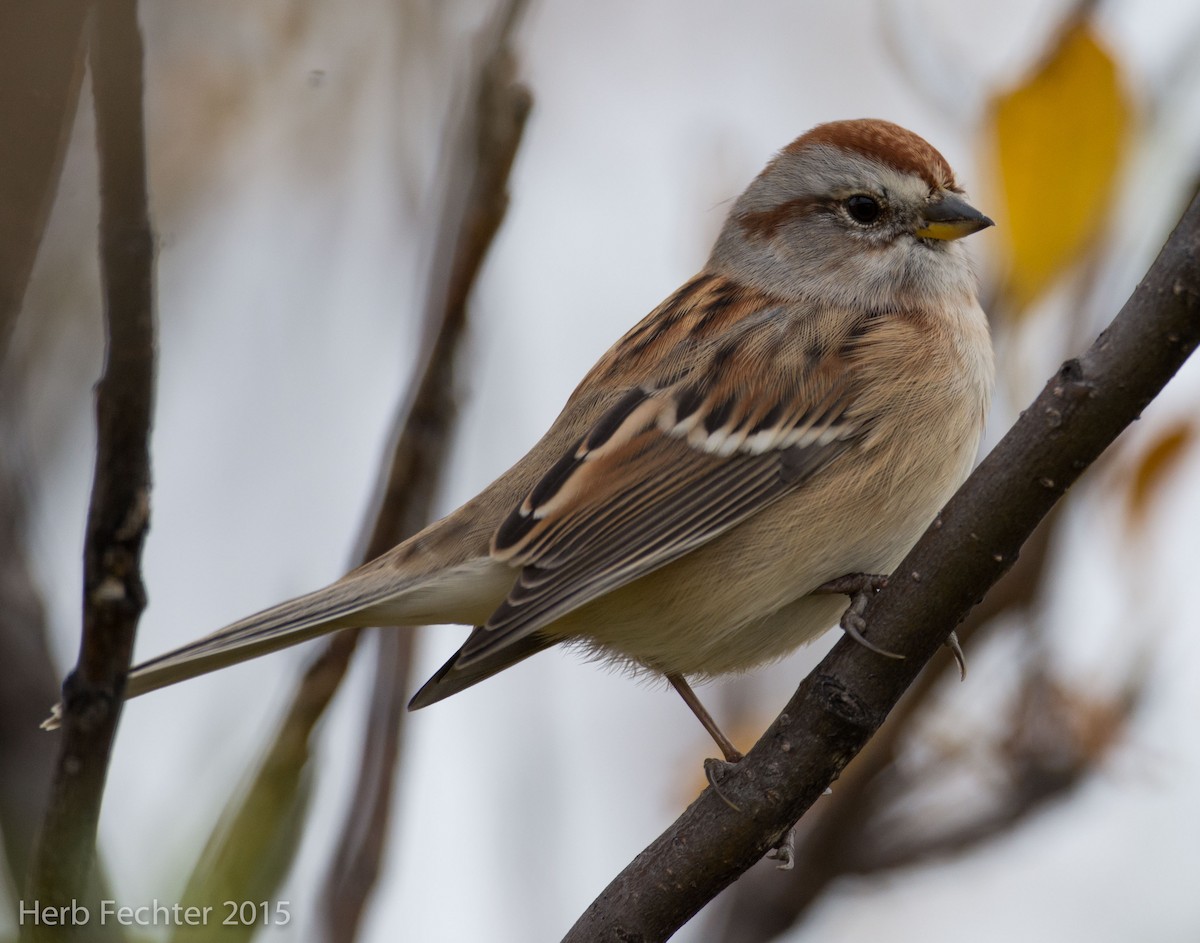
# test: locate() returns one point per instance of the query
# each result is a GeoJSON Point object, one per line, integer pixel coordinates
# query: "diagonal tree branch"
{"type": "Point", "coordinates": [113, 594]}
{"type": "Point", "coordinates": [838, 837]}
{"type": "Point", "coordinates": [975, 539]}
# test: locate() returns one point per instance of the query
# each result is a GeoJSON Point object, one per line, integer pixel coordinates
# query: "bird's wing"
{"type": "Point", "coordinates": [758, 411]}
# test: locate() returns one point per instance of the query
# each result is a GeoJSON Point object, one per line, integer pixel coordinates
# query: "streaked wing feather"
{"type": "Point", "coordinates": [543, 593]}
{"type": "Point", "coordinates": [662, 472]}
{"type": "Point", "coordinates": [453, 677]}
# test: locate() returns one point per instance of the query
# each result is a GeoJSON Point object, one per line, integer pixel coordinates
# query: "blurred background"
{"type": "Point", "coordinates": [300, 167]}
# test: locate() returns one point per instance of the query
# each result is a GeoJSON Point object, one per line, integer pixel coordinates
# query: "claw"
{"type": "Point", "coordinates": [860, 587]}
{"type": "Point", "coordinates": [853, 623]}
{"type": "Point", "coordinates": [784, 850]}
{"type": "Point", "coordinates": [852, 584]}
{"type": "Point", "coordinates": [715, 771]}
{"type": "Point", "coordinates": [952, 643]}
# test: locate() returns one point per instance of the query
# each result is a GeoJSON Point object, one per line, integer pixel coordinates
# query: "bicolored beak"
{"type": "Point", "coordinates": [952, 217]}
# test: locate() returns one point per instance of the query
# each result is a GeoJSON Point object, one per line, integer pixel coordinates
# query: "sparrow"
{"type": "Point", "coordinates": [797, 412]}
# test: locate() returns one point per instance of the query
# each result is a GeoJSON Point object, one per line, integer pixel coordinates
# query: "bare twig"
{"type": "Point", "coordinates": [255, 842]}
{"type": "Point", "coordinates": [41, 68]}
{"type": "Point", "coordinates": [252, 848]}
{"type": "Point", "coordinates": [1082, 409]}
{"type": "Point", "coordinates": [483, 153]}
{"type": "Point", "coordinates": [1055, 739]}
{"type": "Point", "coordinates": [118, 517]}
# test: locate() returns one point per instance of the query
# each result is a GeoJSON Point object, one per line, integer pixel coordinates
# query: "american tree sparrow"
{"type": "Point", "coordinates": [797, 412]}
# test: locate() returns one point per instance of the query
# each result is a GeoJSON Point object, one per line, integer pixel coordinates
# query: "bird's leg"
{"type": "Point", "coordinates": [852, 584]}
{"type": "Point", "coordinates": [732, 754]}
{"type": "Point", "coordinates": [860, 587]}
{"type": "Point", "coordinates": [714, 770]}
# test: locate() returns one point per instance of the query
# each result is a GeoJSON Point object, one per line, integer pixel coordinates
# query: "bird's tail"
{"type": "Point", "coordinates": [378, 593]}
{"type": "Point", "coordinates": [345, 604]}
{"type": "Point", "coordinates": [340, 606]}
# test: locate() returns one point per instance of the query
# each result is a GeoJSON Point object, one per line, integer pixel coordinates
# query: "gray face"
{"type": "Point", "coordinates": [827, 223]}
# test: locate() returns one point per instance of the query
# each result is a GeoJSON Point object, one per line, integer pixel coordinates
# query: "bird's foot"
{"type": "Point", "coordinates": [715, 772]}
{"type": "Point", "coordinates": [860, 587]}
{"type": "Point", "coordinates": [784, 850]}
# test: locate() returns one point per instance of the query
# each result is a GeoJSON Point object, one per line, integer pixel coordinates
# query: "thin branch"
{"type": "Point", "coordinates": [1056, 739]}
{"type": "Point", "coordinates": [41, 69]}
{"type": "Point", "coordinates": [483, 154]}
{"type": "Point", "coordinates": [27, 755]}
{"type": "Point", "coordinates": [975, 539]}
{"type": "Point", "coordinates": [118, 517]}
{"type": "Point", "coordinates": [253, 846]}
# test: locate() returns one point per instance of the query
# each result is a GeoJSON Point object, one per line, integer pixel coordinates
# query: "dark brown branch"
{"type": "Point", "coordinates": [974, 540]}
{"type": "Point", "coordinates": [837, 836]}
{"type": "Point", "coordinates": [118, 517]}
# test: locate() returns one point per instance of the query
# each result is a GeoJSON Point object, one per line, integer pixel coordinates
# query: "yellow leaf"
{"type": "Point", "coordinates": [1059, 137]}
{"type": "Point", "coordinates": [1155, 466]}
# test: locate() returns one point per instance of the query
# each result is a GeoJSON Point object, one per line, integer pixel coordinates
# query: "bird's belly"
{"type": "Point", "coordinates": [711, 643]}
{"type": "Point", "coordinates": [725, 607]}
{"type": "Point", "coordinates": [744, 599]}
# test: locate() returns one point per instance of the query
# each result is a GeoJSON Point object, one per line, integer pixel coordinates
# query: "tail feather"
{"type": "Point", "coordinates": [376, 594]}
{"type": "Point", "coordinates": [388, 591]}
{"type": "Point", "coordinates": [340, 606]}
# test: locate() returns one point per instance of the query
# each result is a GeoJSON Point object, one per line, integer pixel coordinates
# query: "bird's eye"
{"type": "Point", "coordinates": [863, 209]}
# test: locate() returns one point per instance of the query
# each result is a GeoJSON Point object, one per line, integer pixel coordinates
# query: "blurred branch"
{"type": "Point", "coordinates": [837, 708]}
{"type": "Point", "coordinates": [27, 755]}
{"type": "Point", "coordinates": [253, 846]}
{"type": "Point", "coordinates": [1056, 739]}
{"type": "Point", "coordinates": [482, 152]}
{"type": "Point", "coordinates": [41, 69]}
{"type": "Point", "coordinates": [118, 517]}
